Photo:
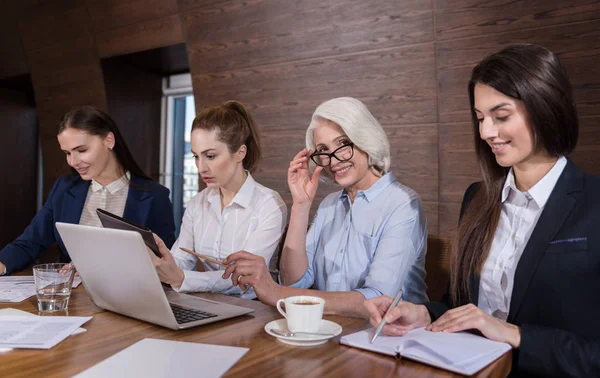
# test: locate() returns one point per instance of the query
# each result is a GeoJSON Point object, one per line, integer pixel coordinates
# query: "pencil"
{"type": "Point", "coordinates": [207, 258]}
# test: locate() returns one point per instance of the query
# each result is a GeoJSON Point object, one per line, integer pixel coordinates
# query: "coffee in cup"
{"type": "Point", "coordinates": [303, 313]}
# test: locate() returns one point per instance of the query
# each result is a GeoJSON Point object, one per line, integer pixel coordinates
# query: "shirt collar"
{"type": "Point", "coordinates": [242, 197]}
{"type": "Point", "coordinates": [114, 186]}
{"type": "Point", "coordinates": [541, 191]}
{"type": "Point", "coordinates": [375, 189]}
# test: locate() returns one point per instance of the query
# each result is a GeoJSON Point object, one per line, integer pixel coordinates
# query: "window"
{"type": "Point", "coordinates": [179, 172]}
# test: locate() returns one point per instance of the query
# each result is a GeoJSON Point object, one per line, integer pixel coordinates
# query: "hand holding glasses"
{"type": "Point", "coordinates": [343, 153]}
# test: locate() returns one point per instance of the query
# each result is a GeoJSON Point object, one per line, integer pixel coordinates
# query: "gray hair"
{"type": "Point", "coordinates": [359, 125]}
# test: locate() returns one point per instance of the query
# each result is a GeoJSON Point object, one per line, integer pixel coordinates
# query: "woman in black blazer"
{"type": "Point", "coordinates": [525, 268]}
{"type": "Point", "coordinates": [96, 152]}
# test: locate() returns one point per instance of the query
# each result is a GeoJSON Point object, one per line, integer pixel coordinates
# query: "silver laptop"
{"type": "Point", "coordinates": [119, 276]}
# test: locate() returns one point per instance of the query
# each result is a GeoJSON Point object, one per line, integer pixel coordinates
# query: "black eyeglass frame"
{"type": "Point", "coordinates": [315, 156]}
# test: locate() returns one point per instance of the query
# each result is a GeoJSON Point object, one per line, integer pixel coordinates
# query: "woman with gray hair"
{"type": "Point", "coordinates": [368, 239]}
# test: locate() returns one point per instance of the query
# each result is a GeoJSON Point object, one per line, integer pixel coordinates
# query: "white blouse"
{"type": "Point", "coordinates": [111, 198]}
{"type": "Point", "coordinates": [254, 222]}
{"type": "Point", "coordinates": [520, 213]}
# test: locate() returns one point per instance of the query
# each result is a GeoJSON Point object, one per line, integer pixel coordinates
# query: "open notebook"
{"type": "Point", "coordinates": [460, 352]}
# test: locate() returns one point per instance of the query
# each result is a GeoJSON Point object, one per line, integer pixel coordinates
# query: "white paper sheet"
{"type": "Point", "coordinates": [15, 312]}
{"type": "Point", "coordinates": [14, 289]}
{"type": "Point", "coordinates": [153, 358]}
{"type": "Point", "coordinates": [37, 332]}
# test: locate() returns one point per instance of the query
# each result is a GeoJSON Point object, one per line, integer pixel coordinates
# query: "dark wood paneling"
{"type": "Point", "coordinates": [415, 157]}
{"type": "Point", "coordinates": [163, 61]}
{"type": "Point", "coordinates": [458, 162]}
{"type": "Point", "coordinates": [572, 42]}
{"type": "Point", "coordinates": [64, 76]}
{"type": "Point", "coordinates": [142, 36]}
{"type": "Point", "coordinates": [46, 23]}
{"type": "Point", "coordinates": [110, 14]}
{"type": "Point", "coordinates": [19, 151]}
{"type": "Point", "coordinates": [14, 61]}
{"type": "Point", "coordinates": [397, 85]}
{"type": "Point", "coordinates": [448, 216]}
{"type": "Point", "coordinates": [185, 5]}
{"type": "Point", "coordinates": [466, 18]}
{"type": "Point", "coordinates": [245, 34]}
{"type": "Point", "coordinates": [134, 102]}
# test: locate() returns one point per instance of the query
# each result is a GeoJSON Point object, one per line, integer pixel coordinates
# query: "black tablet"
{"type": "Point", "coordinates": [110, 220]}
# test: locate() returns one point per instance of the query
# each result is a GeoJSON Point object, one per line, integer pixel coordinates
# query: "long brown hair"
{"type": "Point", "coordinates": [533, 75]}
{"type": "Point", "coordinates": [96, 122]}
{"type": "Point", "coordinates": [235, 127]}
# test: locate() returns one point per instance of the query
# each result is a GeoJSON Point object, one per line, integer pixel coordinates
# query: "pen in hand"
{"type": "Point", "coordinates": [382, 324]}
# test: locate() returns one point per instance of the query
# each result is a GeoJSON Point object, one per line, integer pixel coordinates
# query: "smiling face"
{"type": "Point", "coordinates": [90, 155]}
{"type": "Point", "coordinates": [217, 166]}
{"type": "Point", "coordinates": [503, 125]}
{"type": "Point", "coordinates": [354, 174]}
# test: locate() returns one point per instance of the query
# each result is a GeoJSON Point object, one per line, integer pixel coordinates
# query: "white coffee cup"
{"type": "Point", "coordinates": [303, 313]}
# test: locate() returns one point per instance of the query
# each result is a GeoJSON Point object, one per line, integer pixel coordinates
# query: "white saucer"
{"type": "Point", "coordinates": [304, 340]}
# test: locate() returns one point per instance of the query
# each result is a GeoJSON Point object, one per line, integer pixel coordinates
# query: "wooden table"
{"type": "Point", "coordinates": [108, 333]}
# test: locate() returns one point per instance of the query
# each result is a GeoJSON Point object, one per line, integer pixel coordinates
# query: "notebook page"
{"type": "Point", "coordinates": [458, 348]}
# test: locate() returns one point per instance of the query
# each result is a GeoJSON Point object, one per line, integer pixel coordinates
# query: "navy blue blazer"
{"type": "Point", "coordinates": [148, 204]}
{"type": "Point", "coordinates": [556, 292]}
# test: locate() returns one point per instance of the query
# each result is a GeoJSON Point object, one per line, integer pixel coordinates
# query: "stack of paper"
{"type": "Point", "coordinates": [37, 332]}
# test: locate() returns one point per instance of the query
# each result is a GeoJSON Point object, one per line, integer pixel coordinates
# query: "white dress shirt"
{"type": "Point", "coordinates": [254, 221]}
{"type": "Point", "coordinates": [111, 198]}
{"type": "Point", "coordinates": [520, 213]}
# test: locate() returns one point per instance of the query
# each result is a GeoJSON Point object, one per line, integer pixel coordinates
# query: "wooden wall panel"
{"type": "Point", "coordinates": [20, 148]}
{"type": "Point", "coordinates": [46, 23]}
{"type": "Point", "coordinates": [14, 60]}
{"type": "Point", "coordinates": [134, 102]}
{"type": "Point", "coordinates": [111, 14]}
{"type": "Point", "coordinates": [164, 31]}
{"type": "Point", "coordinates": [245, 34]}
{"type": "Point", "coordinates": [398, 86]}
{"type": "Point", "coordinates": [186, 5]}
{"type": "Point", "coordinates": [573, 43]}
{"type": "Point", "coordinates": [468, 18]}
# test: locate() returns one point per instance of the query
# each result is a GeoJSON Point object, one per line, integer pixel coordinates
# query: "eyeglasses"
{"type": "Point", "coordinates": [343, 153]}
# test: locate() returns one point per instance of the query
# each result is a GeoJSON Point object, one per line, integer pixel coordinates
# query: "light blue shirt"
{"type": "Point", "coordinates": [375, 245]}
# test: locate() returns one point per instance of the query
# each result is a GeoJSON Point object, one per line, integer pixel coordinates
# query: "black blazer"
{"type": "Point", "coordinates": [556, 293]}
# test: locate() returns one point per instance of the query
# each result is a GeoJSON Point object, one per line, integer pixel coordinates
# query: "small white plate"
{"type": "Point", "coordinates": [304, 340]}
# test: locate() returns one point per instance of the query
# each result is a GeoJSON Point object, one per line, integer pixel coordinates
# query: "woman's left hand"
{"type": "Point", "coordinates": [471, 317]}
{"type": "Point", "coordinates": [247, 269]}
{"type": "Point", "coordinates": [166, 267]}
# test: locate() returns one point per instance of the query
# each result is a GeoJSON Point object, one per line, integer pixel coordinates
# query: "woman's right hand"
{"type": "Point", "coordinates": [303, 186]}
{"type": "Point", "coordinates": [401, 319]}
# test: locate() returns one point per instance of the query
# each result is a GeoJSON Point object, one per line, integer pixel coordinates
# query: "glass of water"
{"type": "Point", "coordinates": [53, 283]}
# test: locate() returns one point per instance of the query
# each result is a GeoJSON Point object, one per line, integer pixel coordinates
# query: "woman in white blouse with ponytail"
{"type": "Point", "coordinates": [233, 213]}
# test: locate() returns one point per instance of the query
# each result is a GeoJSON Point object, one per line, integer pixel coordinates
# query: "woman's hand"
{"type": "Point", "coordinates": [471, 317]}
{"type": "Point", "coordinates": [167, 269]}
{"type": "Point", "coordinates": [247, 269]}
{"type": "Point", "coordinates": [303, 186]}
{"type": "Point", "coordinates": [401, 319]}
{"type": "Point", "coordinates": [65, 268]}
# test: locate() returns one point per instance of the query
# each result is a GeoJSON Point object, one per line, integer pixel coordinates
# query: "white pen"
{"type": "Point", "coordinates": [380, 326]}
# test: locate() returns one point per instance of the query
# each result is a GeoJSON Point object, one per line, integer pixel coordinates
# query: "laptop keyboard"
{"type": "Point", "coordinates": [185, 315]}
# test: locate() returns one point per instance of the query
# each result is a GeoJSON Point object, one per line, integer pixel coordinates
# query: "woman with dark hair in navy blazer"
{"type": "Point", "coordinates": [525, 266]}
{"type": "Point", "coordinates": [106, 176]}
